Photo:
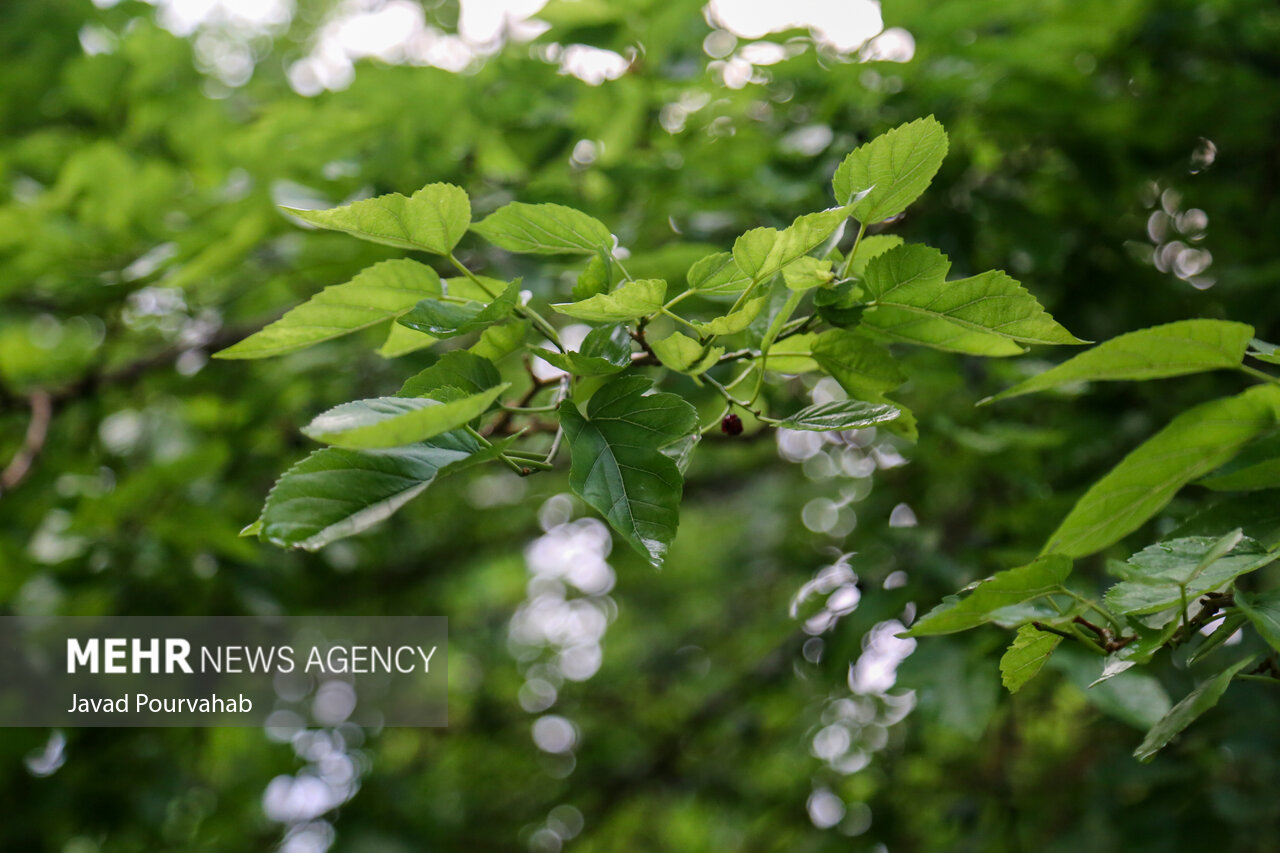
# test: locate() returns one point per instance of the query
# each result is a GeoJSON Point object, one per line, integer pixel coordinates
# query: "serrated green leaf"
{"type": "Point", "coordinates": [987, 598]}
{"type": "Point", "coordinates": [450, 319]}
{"type": "Point", "coordinates": [1263, 611]}
{"type": "Point", "coordinates": [632, 300]}
{"type": "Point", "coordinates": [892, 170]}
{"type": "Point", "coordinates": [840, 415]}
{"type": "Point", "coordinates": [396, 421]}
{"type": "Point", "coordinates": [862, 367]}
{"type": "Point", "coordinates": [1025, 656]}
{"type": "Point", "coordinates": [872, 246]}
{"type": "Point", "coordinates": [605, 350]}
{"type": "Point", "coordinates": [401, 340]}
{"type": "Point", "coordinates": [909, 299]}
{"type": "Point", "coordinates": [1155, 573]}
{"type": "Point", "coordinates": [762, 252]}
{"type": "Point", "coordinates": [1257, 467]}
{"type": "Point", "coordinates": [734, 321]}
{"type": "Point", "coordinates": [498, 342]}
{"type": "Point", "coordinates": [617, 463]}
{"type": "Point", "coordinates": [544, 229]}
{"type": "Point", "coordinates": [807, 273]}
{"type": "Point", "coordinates": [1185, 712]}
{"type": "Point", "coordinates": [1194, 443]}
{"type": "Point", "coordinates": [717, 273]}
{"type": "Point", "coordinates": [379, 293]}
{"type": "Point", "coordinates": [459, 369]}
{"type": "Point", "coordinates": [335, 493]}
{"type": "Point", "coordinates": [1174, 349]}
{"type": "Point", "coordinates": [683, 354]}
{"type": "Point", "coordinates": [432, 220]}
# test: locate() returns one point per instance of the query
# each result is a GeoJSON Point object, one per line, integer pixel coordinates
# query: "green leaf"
{"type": "Point", "coordinates": [806, 273]}
{"type": "Point", "coordinates": [451, 319]}
{"type": "Point", "coordinates": [634, 299]}
{"type": "Point", "coordinates": [1263, 610]}
{"type": "Point", "coordinates": [843, 414]}
{"type": "Point", "coordinates": [762, 252]}
{"type": "Point", "coordinates": [593, 280]}
{"type": "Point", "coordinates": [987, 314]}
{"type": "Point", "coordinates": [1185, 712]}
{"type": "Point", "coordinates": [1263, 351]}
{"type": "Point", "coordinates": [862, 367]}
{"type": "Point", "coordinates": [719, 273]}
{"type": "Point", "coordinates": [1153, 576]}
{"type": "Point", "coordinates": [987, 598]}
{"type": "Point", "coordinates": [433, 219]}
{"type": "Point", "coordinates": [1135, 698]}
{"type": "Point", "coordinates": [617, 463]}
{"type": "Point", "coordinates": [545, 229]}
{"type": "Point", "coordinates": [1257, 467]}
{"type": "Point", "coordinates": [379, 293]}
{"type": "Point", "coordinates": [498, 342]}
{"type": "Point", "coordinates": [335, 493]}
{"type": "Point", "coordinates": [870, 247]}
{"type": "Point", "coordinates": [892, 170]}
{"type": "Point", "coordinates": [683, 354]}
{"type": "Point", "coordinates": [459, 369]}
{"type": "Point", "coordinates": [1025, 656]}
{"type": "Point", "coordinates": [605, 350]}
{"type": "Point", "coordinates": [1194, 443]}
{"type": "Point", "coordinates": [794, 355]}
{"type": "Point", "coordinates": [401, 340]}
{"type": "Point", "coordinates": [397, 421]}
{"type": "Point", "coordinates": [734, 321]}
{"type": "Point", "coordinates": [1174, 349]}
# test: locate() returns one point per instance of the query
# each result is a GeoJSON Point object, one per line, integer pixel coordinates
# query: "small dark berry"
{"type": "Point", "coordinates": [731, 425]}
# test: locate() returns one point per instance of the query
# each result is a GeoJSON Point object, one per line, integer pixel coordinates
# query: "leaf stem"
{"type": "Point", "coordinates": [848, 261]}
{"type": "Point", "coordinates": [523, 310]}
{"type": "Point", "coordinates": [507, 460]}
{"type": "Point", "coordinates": [1260, 374]}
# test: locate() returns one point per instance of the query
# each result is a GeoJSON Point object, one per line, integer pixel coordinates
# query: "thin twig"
{"type": "Point", "coordinates": [37, 431]}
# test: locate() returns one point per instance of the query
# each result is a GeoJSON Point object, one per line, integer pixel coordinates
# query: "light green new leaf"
{"type": "Point", "coordinates": [909, 299]}
{"type": "Point", "coordinates": [683, 354]}
{"type": "Point", "coordinates": [762, 252]}
{"type": "Point", "coordinates": [794, 355]}
{"type": "Point", "coordinates": [459, 369]}
{"type": "Point", "coordinates": [1185, 712]}
{"type": "Point", "coordinates": [1263, 351]}
{"type": "Point", "coordinates": [592, 280]}
{"type": "Point", "coordinates": [1153, 575]}
{"type": "Point", "coordinates": [632, 300]}
{"type": "Point", "coordinates": [433, 219]}
{"type": "Point", "coordinates": [1263, 610]}
{"type": "Point", "coordinates": [451, 319]}
{"type": "Point", "coordinates": [987, 598]}
{"type": "Point", "coordinates": [862, 367]}
{"type": "Point", "coordinates": [335, 493]}
{"type": "Point", "coordinates": [544, 229]}
{"type": "Point", "coordinates": [843, 414]}
{"type": "Point", "coordinates": [806, 273]}
{"type": "Point", "coordinates": [1193, 444]}
{"type": "Point", "coordinates": [1025, 656]}
{"type": "Point", "coordinates": [1257, 467]}
{"type": "Point", "coordinates": [734, 321]}
{"type": "Point", "coordinates": [397, 421]}
{"type": "Point", "coordinates": [617, 460]}
{"type": "Point", "coordinates": [1174, 349]}
{"type": "Point", "coordinates": [718, 273]}
{"type": "Point", "coordinates": [379, 293]}
{"type": "Point", "coordinates": [892, 170]}
{"type": "Point", "coordinates": [605, 350]}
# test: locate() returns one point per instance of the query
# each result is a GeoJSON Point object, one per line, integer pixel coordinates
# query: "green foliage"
{"type": "Point", "coordinates": [431, 220]}
{"type": "Point", "coordinates": [881, 178]}
{"type": "Point", "coordinates": [1026, 655]}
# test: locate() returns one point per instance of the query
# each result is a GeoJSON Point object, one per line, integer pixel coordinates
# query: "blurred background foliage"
{"type": "Point", "coordinates": [1118, 157]}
